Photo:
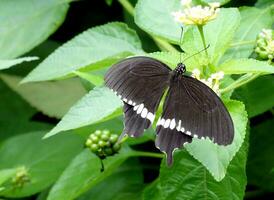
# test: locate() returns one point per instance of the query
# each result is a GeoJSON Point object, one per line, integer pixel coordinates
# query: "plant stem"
{"type": "Point", "coordinates": [201, 31]}
{"type": "Point", "coordinates": [242, 43]}
{"type": "Point", "coordinates": [147, 154]}
{"type": "Point", "coordinates": [241, 81]}
{"type": "Point", "coordinates": [127, 6]}
{"type": "Point", "coordinates": [162, 44]}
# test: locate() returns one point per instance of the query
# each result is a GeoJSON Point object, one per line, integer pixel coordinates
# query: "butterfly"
{"type": "Point", "coordinates": [191, 109]}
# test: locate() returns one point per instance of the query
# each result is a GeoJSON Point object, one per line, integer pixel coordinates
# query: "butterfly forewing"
{"type": "Point", "coordinates": [140, 82]}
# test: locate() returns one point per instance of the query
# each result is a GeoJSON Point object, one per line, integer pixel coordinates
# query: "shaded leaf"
{"type": "Point", "coordinates": [5, 64]}
{"type": "Point", "coordinates": [38, 157]}
{"type": "Point", "coordinates": [52, 98]}
{"type": "Point", "coordinates": [97, 105]}
{"type": "Point", "coordinates": [85, 169]}
{"type": "Point", "coordinates": [25, 24]}
{"type": "Point", "coordinates": [95, 48]}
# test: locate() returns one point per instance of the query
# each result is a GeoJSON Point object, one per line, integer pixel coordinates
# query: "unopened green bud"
{"type": "Point", "coordinates": [108, 144]}
{"type": "Point", "coordinates": [102, 143]}
{"type": "Point", "coordinates": [88, 142]}
{"type": "Point", "coordinates": [108, 151]}
{"type": "Point", "coordinates": [94, 148]}
{"type": "Point", "coordinates": [263, 55]}
{"type": "Point", "coordinates": [113, 139]}
{"type": "Point", "coordinates": [116, 147]}
{"type": "Point", "coordinates": [105, 137]}
{"type": "Point", "coordinates": [94, 138]}
{"type": "Point", "coordinates": [98, 133]}
{"type": "Point", "coordinates": [107, 132]}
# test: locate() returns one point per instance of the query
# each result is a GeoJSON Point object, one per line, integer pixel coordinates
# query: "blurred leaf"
{"type": "Point", "coordinates": [125, 183]}
{"type": "Point", "coordinates": [245, 65]}
{"type": "Point", "coordinates": [108, 2]}
{"type": "Point", "coordinates": [52, 98]}
{"type": "Point", "coordinates": [154, 16]}
{"type": "Point", "coordinates": [218, 34]}
{"type": "Point", "coordinates": [84, 173]}
{"type": "Point", "coordinates": [6, 174]}
{"type": "Point", "coordinates": [264, 3]}
{"type": "Point", "coordinates": [257, 95]}
{"type": "Point", "coordinates": [97, 105]}
{"type": "Point", "coordinates": [12, 104]}
{"type": "Point", "coordinates": [216, 158]}
{"type": "Point", "coordinates": [5, 64]}
{"type": "Point", "coordinates": [253, 20]}
{"type": "Point", "coordinates": [261, 161]}
{"type": "Point", "coordinates": [94, 79]}
{"type": "Point", "coordinates": [44, 159]}
{"type": "Point", "coordinates": [25, 24]}
{"type": "Point", "coordinates": [112, 41]}
{"type": "Point", "coordinates": [188, 179]}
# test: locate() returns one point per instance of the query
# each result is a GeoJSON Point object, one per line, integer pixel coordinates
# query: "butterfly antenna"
{"type": "Point", "coordinates": [197, 53]}
{"type": "Point", "coordinates": [181, 37]}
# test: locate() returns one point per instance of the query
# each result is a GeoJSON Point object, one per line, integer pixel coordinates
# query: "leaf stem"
{"type": "Point", "coordinates": [162, 44]}
{"type": "Point", "coordinates": [239, 82]}
{"type": "Point", "coordinates": [242, 43]}
{"type": "Point", "coordinates": [147, 154]}
{"type": "Point", "coordinates": [201, 31]}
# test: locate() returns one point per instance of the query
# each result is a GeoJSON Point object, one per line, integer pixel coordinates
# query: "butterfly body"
{"type": "Point", "coordinates": [191, 109]}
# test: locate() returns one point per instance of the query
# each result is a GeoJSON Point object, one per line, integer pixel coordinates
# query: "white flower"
{"type": "Point", "coordinates": [196, 73]}
{"type": "Point", "coordinates": [218, 75]}
{"type": "Point", "coordinates": [196, 15]}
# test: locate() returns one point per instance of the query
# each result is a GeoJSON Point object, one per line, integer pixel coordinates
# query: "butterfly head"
{"type": "Point", "coordinates": [180, 69]}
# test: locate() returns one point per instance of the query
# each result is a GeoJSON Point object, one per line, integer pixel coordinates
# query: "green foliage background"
{"type": "Point", "coordinates": [53, 56]}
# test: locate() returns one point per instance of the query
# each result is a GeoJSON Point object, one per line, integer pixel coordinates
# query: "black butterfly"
{"type": "Point", "coordinates": [191, 108]}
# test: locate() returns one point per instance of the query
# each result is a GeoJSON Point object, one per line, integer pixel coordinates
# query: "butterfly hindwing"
{"type": "Point", "coordinates": [140, 82]}
{"type": "Point", "coordinates": [192, 109]}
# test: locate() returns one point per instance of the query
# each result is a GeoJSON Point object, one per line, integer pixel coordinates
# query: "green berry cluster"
{"type": "Point", "coordinates": [265, 45]}
{"type": "Point", "coordinates": [103, 143]}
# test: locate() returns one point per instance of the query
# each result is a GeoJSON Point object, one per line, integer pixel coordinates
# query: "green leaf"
{"type": "Point", "coordinates": [253, 20]}
{"type": "Point", "coordinates": [6, 174]}
{"type": "Point", "coordinates": [260, 163]}
{"type": "Point", "coordinates": [264, 3]}
{"type": "Point", "coordinates": [25, 24]}
{"type": "Point", "coordinates": [218, 33]}
{"type": "Point", "coordinates": [93, 79]}
{"type": "Point", "coordinates": [48, 97]}
{"type": "Point", "coordinates": [125, 183]}
{"type": "Point", "coordinates": [90, 49]}
{"type": "Point", "coordinates": [188, 179]}
{"type": "Point", "coordinates": [83, 173]}
{"type": "Point", "coordinates": [154, 16]}
{"type": "Point", "coordinates": [214, 157]}
{"type": "Point", "coordinates": [222, 2]}
{"type": "Point", "coordinates": [97, 105]}
{"type": "Point", "coordinates": [245, 65]}
{"type": "Point", "coordinates": [44, 160]}
{"type": "Point", "coordinates": [5, 64]}
{"type": "Point", "coordinates": [257, 95]}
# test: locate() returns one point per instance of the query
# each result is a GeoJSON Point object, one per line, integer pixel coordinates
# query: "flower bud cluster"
{"type": "Point", "coordinates": [21, 177]}
{"type": "Point", "coordinates": [265, 45]}
{"type": "Point", "coordinates": [103, 143]}
{"type": "Point", "coordinates": [213, 81]}
{"type": "Point", "coordinates": [197, 15]}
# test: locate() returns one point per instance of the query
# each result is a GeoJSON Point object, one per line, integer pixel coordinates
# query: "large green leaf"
{"type": "Point", "coordinates": [93, 107]}
{"type": "Point", "coordinates": [188, 179]}
{"type": "Point", "coordinates": [96, 47]}
{"type": "Point", "coordinates": [222, 2]}
{"type": "Point", "coordinates": [214, 157]}
{"type": "Point", "coordinates": [257, 95]}
{"type": "Point", "coordinates": [264, 3]}
{"type": "Point", "coordinates": [84, 173]}
{"type": "Point", "coordinates": [245, 65]}
{"type": "Point", "coordinates": [253, 20]}
{"type": "Point", "coordinates": [218, 33]}
{"type": "Point", "coordinates": [52, 98]}
{"type": "Point", "coordinates": [25, 24]}
{"type": "Point", "coordinates": [125, 183]}
{"type": "Point", "coordinates": [5, 64]}
{"type": "Point", "coordinates": [154, 16]}
{"type": "Point", "coordinates": [260, 163]}
{"type": "Point", "coordinates": [43, 159]}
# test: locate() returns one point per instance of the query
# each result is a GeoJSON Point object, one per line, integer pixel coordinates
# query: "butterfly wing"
{"type": "Point", "coordinates": [140, 82]}
{"type": "Point", "coordinates": [192, 109]}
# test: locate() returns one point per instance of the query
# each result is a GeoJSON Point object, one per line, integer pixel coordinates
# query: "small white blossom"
{"type": "Point", "coordinates": [197, 14]}
{"type": "Point", "coordinates": [212, 81]}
